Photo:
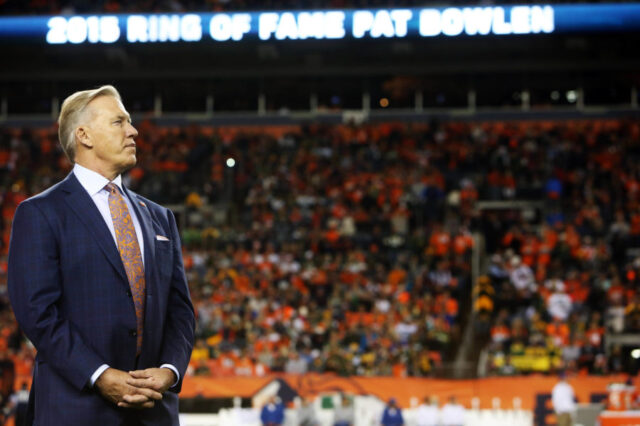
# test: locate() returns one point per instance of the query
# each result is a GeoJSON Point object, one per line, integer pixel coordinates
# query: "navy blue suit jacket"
{"type": "Point", "coordinates": [71, 297]}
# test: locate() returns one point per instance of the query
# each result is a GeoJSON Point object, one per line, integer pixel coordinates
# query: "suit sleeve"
{"type": "Point", "coordinates": [180, 323]}
{"type": "Point", "coordinates": [35, 289]}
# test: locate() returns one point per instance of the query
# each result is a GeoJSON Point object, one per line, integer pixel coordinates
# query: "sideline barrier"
{"type": "Point", "coordinates": [251, 417]}
{"type": "Point", "coordinates": [404, 389]}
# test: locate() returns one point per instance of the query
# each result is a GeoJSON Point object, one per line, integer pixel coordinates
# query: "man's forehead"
{"type": "Point", "coordinates": [109, 105]}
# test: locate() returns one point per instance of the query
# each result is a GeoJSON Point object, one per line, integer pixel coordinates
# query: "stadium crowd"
{"type": "Point", "coordinates": [556, 284]}
{"type": "Point", "coordinates": [347, 249]}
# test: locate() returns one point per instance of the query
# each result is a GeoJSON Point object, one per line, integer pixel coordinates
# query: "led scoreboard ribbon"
{"type": "Point", "coordinates": [323, 24]}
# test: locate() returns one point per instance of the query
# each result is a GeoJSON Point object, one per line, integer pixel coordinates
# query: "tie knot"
{"type": "Point", "coordinates": [111, 187]}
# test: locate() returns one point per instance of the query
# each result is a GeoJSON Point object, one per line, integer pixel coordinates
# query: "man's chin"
{"type": "Point", "coordinates": [130, 164]}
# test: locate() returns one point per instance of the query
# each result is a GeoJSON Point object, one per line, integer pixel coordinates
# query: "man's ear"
{"type": "Point", "coordinates": [82, 136]}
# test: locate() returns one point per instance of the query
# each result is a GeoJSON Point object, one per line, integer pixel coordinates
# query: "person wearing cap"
{"type": "Point", "coordinates": [392, 415]}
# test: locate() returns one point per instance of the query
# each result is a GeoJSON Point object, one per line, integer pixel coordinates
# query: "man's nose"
{"type": "Point", "coordinates": [132, 131]}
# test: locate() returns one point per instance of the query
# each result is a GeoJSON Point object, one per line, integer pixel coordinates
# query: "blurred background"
{"type": "Point", "coordinates": [435, 202]}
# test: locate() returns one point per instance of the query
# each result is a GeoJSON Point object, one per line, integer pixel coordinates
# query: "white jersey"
{"type": "Point", "coordinates": [563, 398]}
{"type": "Point", "coordinates": [428, 415]}
{"type": "Point", "coordinates": [453, 415]}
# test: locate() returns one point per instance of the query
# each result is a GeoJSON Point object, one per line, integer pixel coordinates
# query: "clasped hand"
{"type": "Point", "coordinates": [135, 389]}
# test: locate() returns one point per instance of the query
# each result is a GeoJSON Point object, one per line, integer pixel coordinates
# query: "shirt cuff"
{"type": "Point", "coordinates": [97, 374]}
{"type": "Point", "coordinates": [175, 370]}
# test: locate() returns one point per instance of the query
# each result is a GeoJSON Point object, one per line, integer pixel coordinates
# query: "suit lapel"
{"type": "Point", "coordinates": [84, 207]}
{"type": "Point", "coordinates": [148, 234]}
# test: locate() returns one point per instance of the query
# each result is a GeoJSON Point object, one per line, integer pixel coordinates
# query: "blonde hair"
{"type": "Point", "coordinates": [72, 111]}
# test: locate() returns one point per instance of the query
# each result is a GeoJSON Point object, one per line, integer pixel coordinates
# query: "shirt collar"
{"type": "Point", "coordinates": [94, 182]}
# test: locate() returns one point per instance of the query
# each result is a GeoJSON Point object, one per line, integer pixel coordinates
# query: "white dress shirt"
{"type": "Point", "coordinates": [94, 183]}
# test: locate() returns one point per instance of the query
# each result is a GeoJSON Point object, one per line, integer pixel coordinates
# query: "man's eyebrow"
{"type": "Point", "coordinates": [124, 117]}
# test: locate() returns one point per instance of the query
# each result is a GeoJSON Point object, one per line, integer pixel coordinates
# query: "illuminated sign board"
{"type": "Point", "coordinates": [323, 24]}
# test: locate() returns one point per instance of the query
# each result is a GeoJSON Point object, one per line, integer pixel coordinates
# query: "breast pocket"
{"type": "Point", "coordinates": [164, 258]}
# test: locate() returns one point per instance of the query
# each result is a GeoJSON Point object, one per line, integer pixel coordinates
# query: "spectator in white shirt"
{"type": "Point", "coordinates": [405, 329]}
{"type": "Point", "coordinates": [521, 276]}
{"type": "Point", "coordinates": [559, 304]}
{"type": "Point", "coordinates": [564, 401]}
{"type": "Point", "coordinates": [295, 364]}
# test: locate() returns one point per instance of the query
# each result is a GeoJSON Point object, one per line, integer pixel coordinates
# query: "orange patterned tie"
{"type": "Point", "coordinates": [129, 253]}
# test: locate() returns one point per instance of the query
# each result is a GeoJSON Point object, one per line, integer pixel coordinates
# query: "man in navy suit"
{"type": "Point", "coordinates": [97, 283]}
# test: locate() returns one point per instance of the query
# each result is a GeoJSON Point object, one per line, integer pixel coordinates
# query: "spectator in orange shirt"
{"type": "Point", "coordinates": [500, 333]}
{"type": "Point", "coordinates": [439, 242]}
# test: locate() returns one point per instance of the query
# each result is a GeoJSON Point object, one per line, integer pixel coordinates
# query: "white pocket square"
{"type": "Point", "coordinates": [161, 238]}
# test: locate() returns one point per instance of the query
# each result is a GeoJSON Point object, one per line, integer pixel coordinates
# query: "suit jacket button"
{"type": "Point", "coordinates": [129, 293]}
{"type": "Point", "coordinates": [133, 333]}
